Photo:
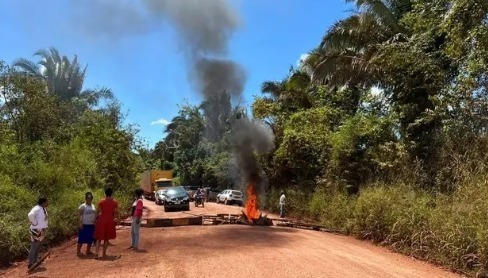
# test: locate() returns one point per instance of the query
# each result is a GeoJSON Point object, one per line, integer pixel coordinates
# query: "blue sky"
{"type": "Point", "coordinates": [146, 71]}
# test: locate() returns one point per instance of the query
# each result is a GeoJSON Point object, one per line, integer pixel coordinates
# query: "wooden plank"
{"type": "Point", "coordinates": [38, 263]}
{"type": "Point", "coordinates": [180, 222]}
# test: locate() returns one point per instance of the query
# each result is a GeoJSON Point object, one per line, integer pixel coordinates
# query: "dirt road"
{"type": "Point", "coordinates": [234, 250]}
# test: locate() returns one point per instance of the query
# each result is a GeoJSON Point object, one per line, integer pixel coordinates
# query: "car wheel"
{"type": "Point", "coordinates": [165, 209]}
{"type": "Point", "coordinates": [226, 202]}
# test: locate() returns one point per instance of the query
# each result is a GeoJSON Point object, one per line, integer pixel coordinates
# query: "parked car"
{"type": "Point", "coordinates": [176, 198]}
{"type": "Point", "coordinates": [212, 194]}
{"type": "Point", "coordinates": [229, 197]}
{"type": "Point", "coordinates": [159, 196]}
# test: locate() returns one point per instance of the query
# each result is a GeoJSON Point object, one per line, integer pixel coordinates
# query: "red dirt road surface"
{"type": "Point", "coordinates": [233, 251]}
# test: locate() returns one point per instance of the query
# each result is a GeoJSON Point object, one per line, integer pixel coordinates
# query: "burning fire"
{"type": "Point", "coordinates": [252, 204]}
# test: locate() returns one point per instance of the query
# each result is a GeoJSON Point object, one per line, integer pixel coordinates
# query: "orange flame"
{"type": "Point", "coordinates": [252, 204]}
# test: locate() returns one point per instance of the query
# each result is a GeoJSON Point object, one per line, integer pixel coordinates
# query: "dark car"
{"type": "Point", "coordinates": [212, 194]}
{"type": "Point", "coordinates": [176, 198]}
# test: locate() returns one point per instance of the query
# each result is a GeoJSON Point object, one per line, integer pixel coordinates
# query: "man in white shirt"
{"type": "Point", "coordinates": [38, 219]}
{"type": "Point", "coordinates": [282, 204]}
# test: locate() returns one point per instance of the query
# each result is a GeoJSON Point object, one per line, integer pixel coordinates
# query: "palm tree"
{"type": "Point", "coordinates": [293, 91]}
{"type": "Point", "coordinates": [344, 54]}
{"type": "Point", "coordinates": [63, 77]}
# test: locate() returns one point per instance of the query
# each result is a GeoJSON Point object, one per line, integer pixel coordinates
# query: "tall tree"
{"type": "Point", "coordinates": [344, 54]}
{"type": "Point", "coordinates": [63, 77]}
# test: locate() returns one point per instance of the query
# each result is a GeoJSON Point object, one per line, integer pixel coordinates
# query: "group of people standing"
{"type": "Point", "coordinates": [95, 224]}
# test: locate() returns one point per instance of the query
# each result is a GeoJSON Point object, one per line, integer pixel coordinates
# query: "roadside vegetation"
{"type": "Point", "coordinates": [60, 140]}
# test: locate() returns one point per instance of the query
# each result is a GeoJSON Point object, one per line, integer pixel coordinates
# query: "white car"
{"type": "Point", "coordinates": [229, 197]}
{"type": "Point", "coordinates": [159, 196]}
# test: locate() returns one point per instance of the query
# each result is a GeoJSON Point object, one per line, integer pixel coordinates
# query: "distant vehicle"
{"type": "Point", "coordinates": [212, 194]}
{"type": "Point", "coordinates": [190, 189]}
{"type": "Point", "coordinates": [153, 180]}
{"type": "Point", "coordinates": [176, 198]}
{"type": "Point", "coordinates": [229, 197]}
{"type": "Point", "coordinates": [160, 195]}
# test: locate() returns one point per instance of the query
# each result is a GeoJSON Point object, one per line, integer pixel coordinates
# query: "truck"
{"type": "Point", "coordinates": [153, 180]}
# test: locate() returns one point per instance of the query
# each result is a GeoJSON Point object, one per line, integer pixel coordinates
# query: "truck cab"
{"type": "Point", "coordinates": [154, 180]}
{"type": "Point", "coordinates": [162, 183]}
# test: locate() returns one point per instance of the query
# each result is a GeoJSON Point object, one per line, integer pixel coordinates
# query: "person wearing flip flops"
{"type": "Point", "coordinates": [38, 219]}
{"type": "Point", "coordinates": [86, 226]}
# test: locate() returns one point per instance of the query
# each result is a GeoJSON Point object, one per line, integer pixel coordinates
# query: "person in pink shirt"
{"type": "Point", "coordinates": [137, 208]}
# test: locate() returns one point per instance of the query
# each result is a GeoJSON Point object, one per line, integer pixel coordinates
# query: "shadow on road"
{"type": "Point", "coordinates": [140, 251]}
{"type": "Point", "coordinates": [38, 270]}
{"type": "Point", "coordinates": [109, 258]}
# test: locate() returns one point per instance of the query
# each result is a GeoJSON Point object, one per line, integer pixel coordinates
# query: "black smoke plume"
{"type": "Point", "coordinates": [203, 29]}
{"type": "Point", "coordinates": [251, 138]}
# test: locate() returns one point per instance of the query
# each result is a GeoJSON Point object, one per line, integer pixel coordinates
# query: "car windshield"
{"type": "Point", "coordinates": [163, 183]}
{"type": "Point", "coordinates": [176, 191]}
{"type": "Point", "coordinates": [236, 192]}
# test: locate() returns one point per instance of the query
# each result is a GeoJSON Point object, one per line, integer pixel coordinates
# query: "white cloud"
{"type": "Point", "coordinates": [161, 121]}
{"type": "Point", "coordinates": [302, 58]}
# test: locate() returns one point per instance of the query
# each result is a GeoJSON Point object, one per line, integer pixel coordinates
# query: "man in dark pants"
{"type": "Point", "coordinates": [38, 219]}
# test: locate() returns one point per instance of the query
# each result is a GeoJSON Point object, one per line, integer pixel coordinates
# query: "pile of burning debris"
{"type": "Point", "coordinates": [260, 221]}
{"type": "Point", "coordinates": [251, 214]}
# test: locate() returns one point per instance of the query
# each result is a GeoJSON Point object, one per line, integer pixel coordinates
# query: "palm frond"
{"type": "Point", "coordinates": [354, 33]}
{"type": "Point", "coordinates": [272, 87]}
{"type": "Point", "coordinates": [93, 96]}
{"type": "Point", "coordinates": [27, 66]}
{"type": "Point", "coordinates": [380, 10]}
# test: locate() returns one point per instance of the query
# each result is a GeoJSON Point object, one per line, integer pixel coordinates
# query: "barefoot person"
{"type": "Point", "coordinates": [87, 214]}
{"type": "Point", "coordinates": [38, 219]}
{"type": "Point", "coordinates": [107, 212]}
{"type": "Point", "coordinates": [137, 208]}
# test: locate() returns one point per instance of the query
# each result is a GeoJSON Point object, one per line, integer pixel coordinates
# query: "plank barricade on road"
{"type": "Point", "coordinates": [227, 218]}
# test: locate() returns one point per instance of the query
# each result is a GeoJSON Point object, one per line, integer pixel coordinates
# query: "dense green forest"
{"type": "Point", "coordinates": [380, 132]}
{"type": "Point", "coordinates": [60, 140]}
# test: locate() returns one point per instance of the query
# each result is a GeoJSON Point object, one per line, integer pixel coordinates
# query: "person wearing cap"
{"type": "Point", "coordinates": [38, 219]}
{"type": "Point", "coordinates": [282, 204]}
